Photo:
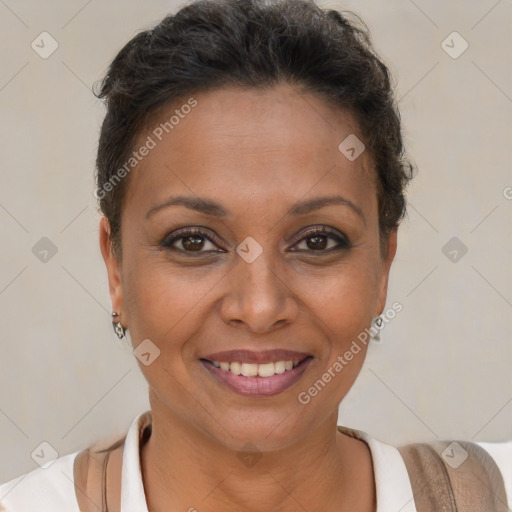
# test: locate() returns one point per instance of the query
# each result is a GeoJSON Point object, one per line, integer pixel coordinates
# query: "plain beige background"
{"type": "Point", "coordinates": [443, 368]}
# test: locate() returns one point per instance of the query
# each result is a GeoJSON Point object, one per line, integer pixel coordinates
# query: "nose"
{"type": "Point", "coordinates": [259, 296]}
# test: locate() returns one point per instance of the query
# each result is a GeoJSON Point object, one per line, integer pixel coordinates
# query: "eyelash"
{"type": "Point", "coordinates": [342, 241]}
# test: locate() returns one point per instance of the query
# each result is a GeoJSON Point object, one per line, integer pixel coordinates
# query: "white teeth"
{"type": "Point", "coordinates": [266, 370]}
{"type": "Point", "coordinates": [249, 369]}
{"type": "Point", "coordinates": [253, 369]}
{"type": "Point", "coordinates": [235, 368]}
{"type": "Point", "coordinates": [279, 366]}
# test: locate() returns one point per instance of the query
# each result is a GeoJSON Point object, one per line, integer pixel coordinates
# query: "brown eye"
{"type": "Point", "coordinates": [323, 240]}
{"type": "Point", "coordinates": [317, 242]}
{"type": "Point", "coordinates": [192, 243]}
{"type": "Point", "coordinates": [191, 240]}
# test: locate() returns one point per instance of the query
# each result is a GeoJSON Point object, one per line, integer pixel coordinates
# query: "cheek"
{"type": "Point", "coordinates": [342, 304]}
{"type": "Point", "coordinates": [164, 306]}
{"type": "Point", "coordinates": [344, 297]}
{"type": "Point", "coordinates": [165, 303]}
{"type": "Point", "coordinates": [342, 311]}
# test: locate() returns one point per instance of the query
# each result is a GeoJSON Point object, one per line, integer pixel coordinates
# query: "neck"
{"type": "Point", "coordinates": [186, 469]}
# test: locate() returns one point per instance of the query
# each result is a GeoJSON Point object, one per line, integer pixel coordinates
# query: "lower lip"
{"type": "Point", "coordinates": [259, 386]}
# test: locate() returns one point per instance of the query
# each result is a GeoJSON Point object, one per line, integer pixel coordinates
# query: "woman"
{"type": "Point", "coordinates": [251, 178]}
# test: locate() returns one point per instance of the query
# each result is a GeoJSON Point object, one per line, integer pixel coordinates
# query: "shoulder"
{"type": "Point", "coordinates": [393, 485]}
{"type": "Point", "coordinates": [55, 487]}
{"type": "Point", "coordinates": [43, 489]}
{"type": "Point", "coordinates": [479, 470]}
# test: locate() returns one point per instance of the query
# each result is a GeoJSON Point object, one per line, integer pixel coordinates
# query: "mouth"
{"type": "Point", "coordinates": [275, 372]}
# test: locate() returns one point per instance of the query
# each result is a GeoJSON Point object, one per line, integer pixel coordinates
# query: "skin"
{"type": "Point", "coordinates": [258, 153]}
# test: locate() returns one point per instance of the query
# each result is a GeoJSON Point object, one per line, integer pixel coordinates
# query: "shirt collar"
{"type": "Point", "coordinates": [393, 488]}
{"type": "Point", "coordinates": [133, 498]}
{"type": "Point", "coordinates": [392, 484]}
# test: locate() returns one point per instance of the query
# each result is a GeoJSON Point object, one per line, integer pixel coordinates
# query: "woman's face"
{"type": "Point", "coordinates": [254, 276]}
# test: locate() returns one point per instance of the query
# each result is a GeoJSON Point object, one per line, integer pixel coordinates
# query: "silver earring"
{"type": "Point", "coordinates": [118, 328]}
{"type": "Point", "coordinates": [375, 328]}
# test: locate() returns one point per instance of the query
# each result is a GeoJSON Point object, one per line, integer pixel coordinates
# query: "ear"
{"type": "Point", "coordinates": [387, 259]}
{"type": "Point", "coordinates": [113, 268]}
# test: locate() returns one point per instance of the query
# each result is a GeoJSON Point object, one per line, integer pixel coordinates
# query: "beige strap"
{"type": "Point", "coordinates": [454, 477]}
{"type": "Point", "coordinates": [98, 471]}
{"type": "Point", "coordinates": [90, 477]}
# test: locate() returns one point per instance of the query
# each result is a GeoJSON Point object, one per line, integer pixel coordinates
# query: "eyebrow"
{"type": "Point", "coordinates": [199, 204]}
{"type": "Point", "coordinates": [305, 207]}
{"type": "Point", "coordinates": [214, 209]}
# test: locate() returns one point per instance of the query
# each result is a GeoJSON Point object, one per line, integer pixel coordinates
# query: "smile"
{"type": "Point", "coordinates": [258, 380]}
{"type": "Point", "coordinates": [256, 370]}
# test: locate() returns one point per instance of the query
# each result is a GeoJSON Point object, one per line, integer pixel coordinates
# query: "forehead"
{"type": "Point", "coordinates": [239, 143]}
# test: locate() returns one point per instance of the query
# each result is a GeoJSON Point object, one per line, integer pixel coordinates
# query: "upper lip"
{"type": "Point", "coordinates": [260, 357]}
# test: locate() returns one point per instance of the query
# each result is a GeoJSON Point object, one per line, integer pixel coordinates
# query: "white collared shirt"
{"type": "Point", "coordinates": [52, 489]}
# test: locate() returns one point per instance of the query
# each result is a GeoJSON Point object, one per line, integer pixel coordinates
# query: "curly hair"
{"type": "Point", "coordinates": [210, 44]}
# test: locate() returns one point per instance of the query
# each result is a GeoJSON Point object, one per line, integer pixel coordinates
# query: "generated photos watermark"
{"type": "Point", "coordinates": [344, 359]}
{"type": "Point", "coordinates": [150, 143]}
